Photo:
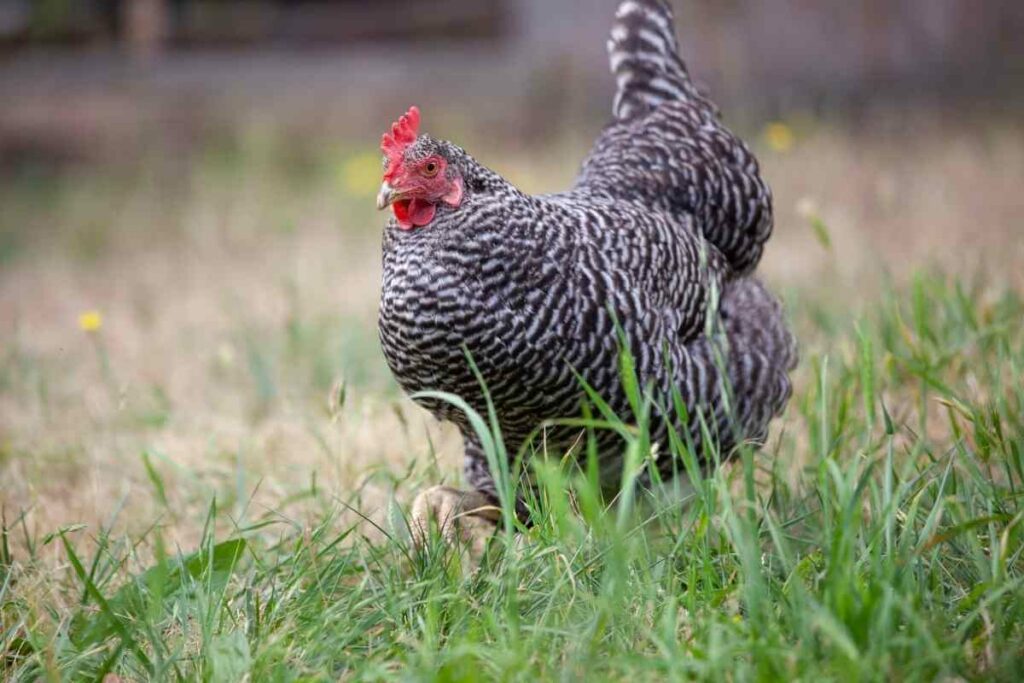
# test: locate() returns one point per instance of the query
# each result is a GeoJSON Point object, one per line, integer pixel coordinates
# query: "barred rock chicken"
{"type": "Point", "coordinates": [653, 247]}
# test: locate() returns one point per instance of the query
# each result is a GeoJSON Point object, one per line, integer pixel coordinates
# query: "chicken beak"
{"type": "Point", "coordinates": [385, 196]}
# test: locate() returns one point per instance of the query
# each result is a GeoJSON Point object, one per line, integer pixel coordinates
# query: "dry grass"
{"type": "Point", "coordinates": [234, 295]}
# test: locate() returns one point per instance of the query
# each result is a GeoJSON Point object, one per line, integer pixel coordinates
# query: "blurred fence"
{"type": "Point", "coordinates": [764, 44]}
{"type": "Point", "coordinates": [70, 70]}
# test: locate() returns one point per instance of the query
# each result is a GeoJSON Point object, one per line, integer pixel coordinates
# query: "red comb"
{"type": "Point", "coordinates": [403, 133]}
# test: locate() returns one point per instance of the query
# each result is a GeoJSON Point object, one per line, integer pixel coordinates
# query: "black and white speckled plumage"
{"type": "Point", "coordinates": [660, 232]}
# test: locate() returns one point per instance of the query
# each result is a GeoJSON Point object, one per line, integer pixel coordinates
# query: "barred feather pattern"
{"type": "Point", "coordinates": [667, 148]}
{"type": "Point", "coordinates": [538, 289]}
{"type": "Point", "coordinates": [644, 59]}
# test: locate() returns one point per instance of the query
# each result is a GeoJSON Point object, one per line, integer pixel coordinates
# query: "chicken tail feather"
{"type": "Point", "coordinates": [645, 62]}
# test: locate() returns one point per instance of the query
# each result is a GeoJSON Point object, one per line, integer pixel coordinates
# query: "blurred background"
{"type": "Point", "coordinates": [91, 79]}
{"type": "Point", "coordinates": [189, 255]}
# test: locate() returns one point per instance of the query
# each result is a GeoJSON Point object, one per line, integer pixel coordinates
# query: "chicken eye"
{"type": "Point", "coordinates": [430, 169]}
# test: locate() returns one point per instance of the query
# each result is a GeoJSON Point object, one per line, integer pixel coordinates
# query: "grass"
{"type": "Point", "coordinates": [894, 552]}
{"type": "Point", "coordinates": [211, 484]}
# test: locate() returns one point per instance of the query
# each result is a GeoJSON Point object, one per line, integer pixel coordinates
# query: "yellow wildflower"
{"type": "Point", "coordinates": [779, 136]}
{"type": "Point", "coordinates": [90, 321]}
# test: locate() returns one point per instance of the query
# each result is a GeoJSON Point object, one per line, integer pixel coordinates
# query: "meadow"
{"type": "Point", "coordinates": [205, 466]}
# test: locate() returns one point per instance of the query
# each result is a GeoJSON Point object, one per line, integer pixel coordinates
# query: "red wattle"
{"type": "Point", "coordinates": [412, 213]}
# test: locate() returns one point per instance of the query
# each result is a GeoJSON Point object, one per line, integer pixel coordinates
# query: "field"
{"type": "Point", "coordinates": [204, 463]}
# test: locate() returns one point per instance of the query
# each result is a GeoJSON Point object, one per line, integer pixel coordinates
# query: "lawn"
{"type": "Point", "coordinates": [205, 466]}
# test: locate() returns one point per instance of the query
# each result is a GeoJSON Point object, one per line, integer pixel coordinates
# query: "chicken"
{"type": "Point", "coordinates": [653, 247]}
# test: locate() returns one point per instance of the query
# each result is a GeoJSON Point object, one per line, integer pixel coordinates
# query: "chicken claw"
{"type": "Point", "coordinates": [469, 516]}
